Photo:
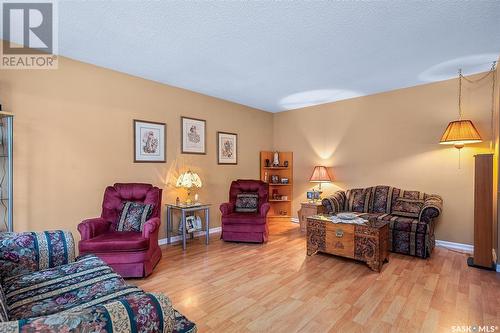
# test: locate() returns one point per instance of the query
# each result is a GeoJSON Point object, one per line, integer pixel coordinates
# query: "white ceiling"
{"type": "Point", "coordinates": [278, 55]}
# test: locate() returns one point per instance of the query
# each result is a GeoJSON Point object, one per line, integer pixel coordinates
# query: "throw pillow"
{"type": "Point", "coordinates": [247, 203]}
{"type": "Point", "coordinates": [3, 306]}
{"type": "Point", "coordinates": [133, 216]}
{"type": "Point", "coordinates": [407, 207]}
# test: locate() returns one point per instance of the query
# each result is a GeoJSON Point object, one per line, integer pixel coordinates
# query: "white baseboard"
{"type": "Point", "coordinates": [460, 247]}
{"type": "Point", "coordinates": [295, 220]}
{"type": "Point", "coordinates": [455, 246]}
{"type": "Point", "coordinates": [178, 238]}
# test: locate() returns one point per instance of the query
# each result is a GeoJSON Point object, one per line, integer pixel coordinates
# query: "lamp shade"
{"type": "Point", "coordinates": [320, 175]}
{"type": "Point", "coordinates": [460, 132]}
{"type": "Point", "coordinates": [188, 180]}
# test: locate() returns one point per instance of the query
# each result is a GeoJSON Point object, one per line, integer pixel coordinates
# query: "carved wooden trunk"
{"type": "Point", "coordinates": [368, 243]}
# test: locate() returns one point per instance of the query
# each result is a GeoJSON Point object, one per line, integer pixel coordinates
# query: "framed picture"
{"type": "Point", "coordinates": [227, 148]}
{"type": "Point", "coordinates": [193, 136]}
{"type": "Point", "coordinates": [193, 223]}
{"type": "Point", "coordinates": [310, 195]}
{"type": "Point", "coordinates": [149, 142]}
{"type": "Point", "coordinates": [190, 223]}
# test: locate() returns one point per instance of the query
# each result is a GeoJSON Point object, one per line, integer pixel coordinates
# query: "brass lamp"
{"type": "Point", "coordinates": [320, 175]}
{"type": "Point", "coordinates": [189, 180]}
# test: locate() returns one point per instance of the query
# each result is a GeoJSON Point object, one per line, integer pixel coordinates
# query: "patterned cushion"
{"type": "Point", "coordinates": [407, 207]}
{"type": "Point", "coordinates": [3, 306]}
{"type": "Point", "coordinates": [402, 223]}
{"type": "Point", "coordinates": [407, 235]}
{"type": "Point", "coordinates": [412, 195]}
{"type": "Point", "coordinates": [26, 252]}
{"type": "Point", "coordinates": [334, 203]}
{"type": "Point", "coordinates": [358, 200]}
{"type": "Point", "coordinates": [145, 313]}
{"type": "Point", "coordinates": [246, 202]}
{"type": "Point", "coordinates": [133, 216]}
{"type": "Point", "coordinates": [382, 198]}
{"type": "Point", "coordinates": [82, 284]}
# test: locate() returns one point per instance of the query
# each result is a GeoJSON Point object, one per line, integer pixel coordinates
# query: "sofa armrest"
{"type": "Point", "coordinates": [431, 209]}
{"type": "Point", "coordinates": [334, 203]}
{"type": "Point", "coordinates": [27, 252]}
{"type": "Point", "coordinates": [226, 208]}
{"type": "Point", "coordinates": [134, 313]}
{"type": "Point", "coordinates": [151, 227]}
{"type": "Point", "coordinates": [264, 209]}
{"type": "Point", "coordinates": [91, 228]}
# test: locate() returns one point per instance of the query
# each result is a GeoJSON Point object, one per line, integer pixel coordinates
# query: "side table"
{"type": "Point", "coordinates": [308, 208]}
{"type": "Point", "coordinates": [184, 209]}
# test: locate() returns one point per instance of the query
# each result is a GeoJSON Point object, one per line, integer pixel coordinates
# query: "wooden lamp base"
{"type": "Point", "coordinates": [470, 262]}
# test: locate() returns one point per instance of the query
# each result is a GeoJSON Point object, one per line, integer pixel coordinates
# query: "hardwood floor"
{"type": "Point", "coordinates": [235, 287]}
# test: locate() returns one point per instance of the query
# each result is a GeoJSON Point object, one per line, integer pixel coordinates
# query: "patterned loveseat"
{"type": "Point", "coordinates": [411, 214]}
{"type": "Point", "coordinates": [43, 289]}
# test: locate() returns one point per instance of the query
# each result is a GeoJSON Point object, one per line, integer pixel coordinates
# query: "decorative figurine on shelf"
{"type": "Point", "coordinates": [285, 164]}
{"type": "Point", "coordinates": [268, 163]}
{"type": "Point", "coordinates": [276, 159]}
{"type": "Point", "coordinates": [198, 224]}
{"type": "Point", "coordinates": [266, 177]}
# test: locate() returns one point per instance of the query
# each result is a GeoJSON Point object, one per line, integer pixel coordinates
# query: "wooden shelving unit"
{"type": "Point", "coordinates": [281, 209]}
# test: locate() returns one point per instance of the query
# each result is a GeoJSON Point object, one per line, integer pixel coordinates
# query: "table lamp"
{"type": "Point", "coordinates": [189, 180]}
{"type": "Point", "coordinates": [320, 175]}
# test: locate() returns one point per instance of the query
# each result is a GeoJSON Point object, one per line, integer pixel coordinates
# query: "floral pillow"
{"type": "Point", "coordinates": [26, 252]}
{"type": "Point", "coordinates": [133, 216]}
{"type": "Point", "coordinates": [407, 207]}
{"type": "Point", "coordinates": [3, 306]}
{"type": "Point", "coordinates": [247, 202]}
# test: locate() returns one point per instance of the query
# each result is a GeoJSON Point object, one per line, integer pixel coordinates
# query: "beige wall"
{"type": "Point", "coordinates": [73, 136]}
{"type": "Point", "coordinates": [497, 166]}
{"type": "Point", "coordinates": [392, 138]}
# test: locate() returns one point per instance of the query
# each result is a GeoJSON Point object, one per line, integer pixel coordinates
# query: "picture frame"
{"type": "Point", "coordinates": [227, 148]}
{"type": "Point", "coordinates": [190, 224]}
{"type": "Point", "coordinates": [149, 141]}
{"type": "Point", "coordinates": [284, 180]}
{"type": "Point", "coordinates": [310, 195]}
{"type": "Point", "coordinates": [193, 223]}
{"type": "Point", "coordinates": [193, 136]}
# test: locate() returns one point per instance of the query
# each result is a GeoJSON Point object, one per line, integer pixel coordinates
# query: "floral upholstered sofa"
{"type": "Point", "coordinates": [411, 214]}
{"type": "Point", "coordinates": [44, 289]}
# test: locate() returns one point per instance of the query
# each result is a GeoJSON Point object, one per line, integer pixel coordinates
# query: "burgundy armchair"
{"type": "Point", "coordinates": [129, 253]}
{"type": "Point", "coordinates": [246, 227]}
